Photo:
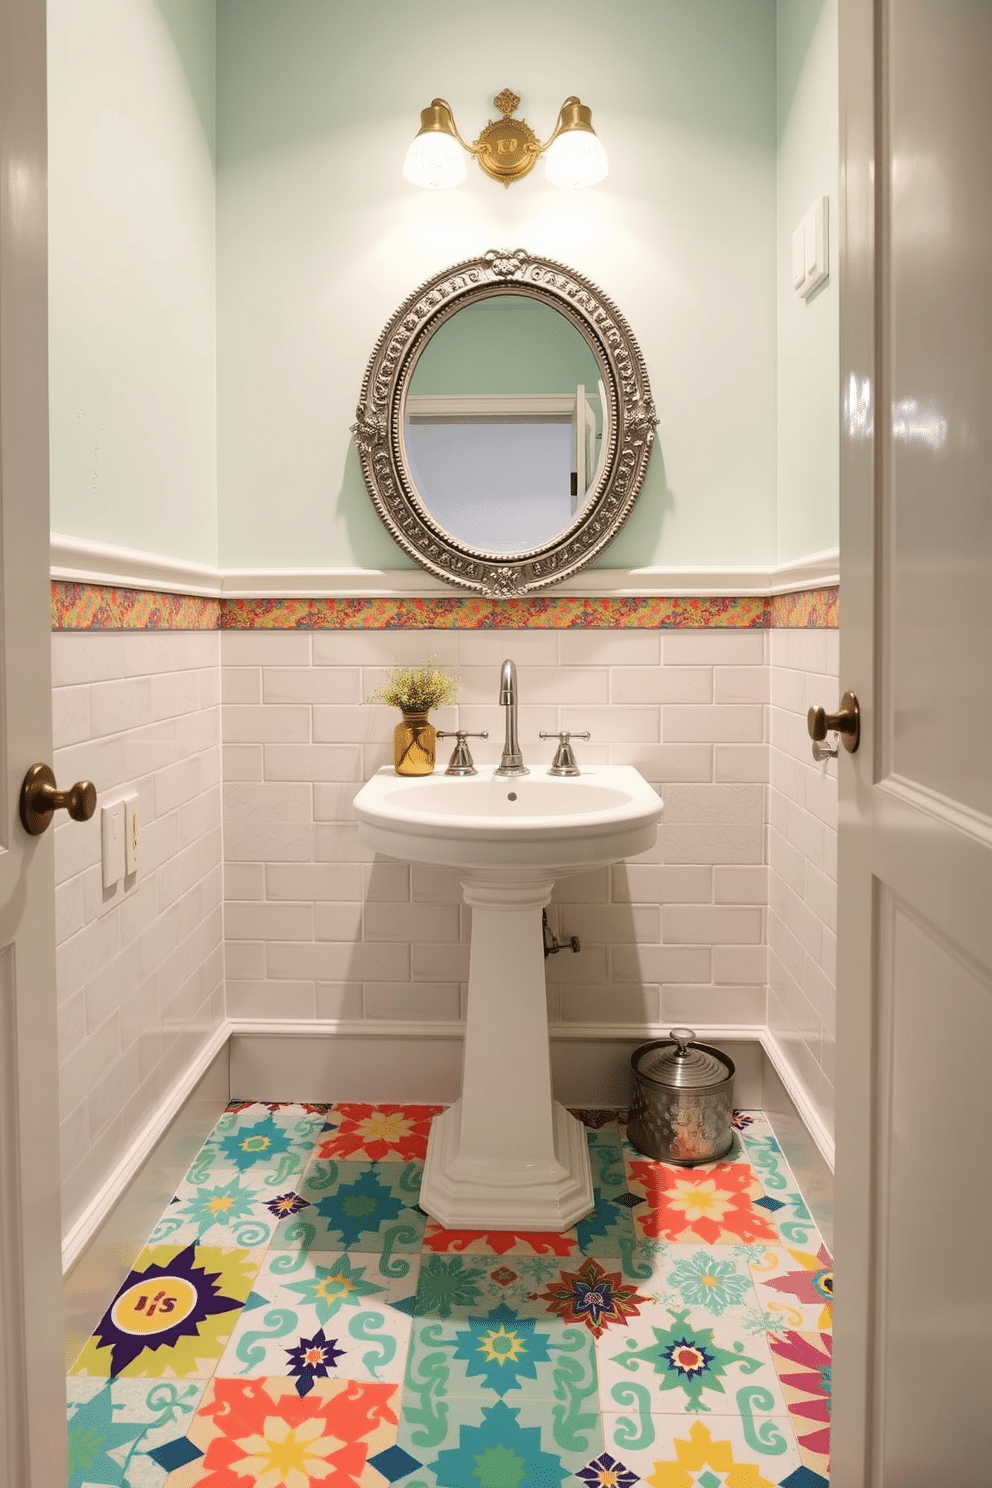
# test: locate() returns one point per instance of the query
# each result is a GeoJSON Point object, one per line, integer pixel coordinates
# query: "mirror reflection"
{"type": "Point", "coordinates": [503, 427]}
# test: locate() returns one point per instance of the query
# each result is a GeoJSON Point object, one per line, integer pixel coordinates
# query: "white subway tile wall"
{"type": "Point", "coordinates": [255, 793]}
{"type": "Point", "coordinates": [802, 863]}
{"type": "Point", "coordinates": [316, 928]}
{"type": "Point", "coordinates": [141, 965]}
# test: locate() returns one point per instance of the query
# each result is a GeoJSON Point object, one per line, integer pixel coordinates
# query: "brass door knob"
{"type": "Point", "coordinates": [847, 722]}
{"type": "Point", "coordinates": [40, 799]}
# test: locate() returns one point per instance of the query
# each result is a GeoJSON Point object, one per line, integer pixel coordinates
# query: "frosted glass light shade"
{"type": "Point", "coordinates": [435, 160]}
{"type": "Point", "coordinates": [576, 159]}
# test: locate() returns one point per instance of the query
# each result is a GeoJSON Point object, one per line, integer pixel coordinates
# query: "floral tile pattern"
{"type": "Point", "coordinates": [261, 1432]}
{"type": "Point", "coordinates": [372, 1133]}
{"type": "Point", "coordinates": [716, 1203]}
{"type": "Point", "coordinates": [81, 606]}
{"type": "Point", "coordinates": [356, 1206]}
{"type": "Point", "coordinates": [296, 1319]}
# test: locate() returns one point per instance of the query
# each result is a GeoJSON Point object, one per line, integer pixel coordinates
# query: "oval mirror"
{"type": "Point", "coordinates": [505, 423]}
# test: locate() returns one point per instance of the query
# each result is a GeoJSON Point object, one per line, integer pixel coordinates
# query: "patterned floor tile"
{"type": "Point", "coordinates": [803, 1362]}
{"type": "Point", "coordinates": [491, 1243]}
{"type": "Point", "coordinates": [351, 1339]}
{"type": "Point", "coordinates": [267, 1148]}
{"type": "Point", "coordinates": [751, 1124]}
{"type": "Point", "coordinates": [462, 1442]}
{"type": "Point", "coordinates": [128, 1433]}
{"type": "Point", "coordinates": [756, 1450]}
{"type": "Point", "coordinates": [782, 1199]}
{"type": "Point", "coordinates": [173, 1315]}
{"type": "Point", "coordinates": [356, 1206]}
{"type": "Point", "coordinates": [502, 1354]}
{"type": "Point", "coordinates": [314, 1314]}
{"type": "Point", "coordinates": [373, 1133]}
{"type": "Point", "coordinates": [261, 1431]}
{"type": "Point", "coordinates": [712, 1279]}
{"type": "Point", "coordinates": [465, 1286]}
{"type": "Point", "coordinates": [795, 1287]}
{"type": "Point", "coordinates": [713, 1204]}
{"type": "Point", "coordinates": [223, 1212]}
{"type": "Point", "coordinates": [673, 1359]}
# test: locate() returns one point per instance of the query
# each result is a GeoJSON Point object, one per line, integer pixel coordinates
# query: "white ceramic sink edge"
{"type": "Point", "coordinates": [607, 813]}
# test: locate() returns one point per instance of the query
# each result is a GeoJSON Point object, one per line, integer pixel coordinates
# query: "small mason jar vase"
{"type": "Point", "coordinates": [414, 745]}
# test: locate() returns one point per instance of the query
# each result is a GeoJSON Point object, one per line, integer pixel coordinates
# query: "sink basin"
{"type": "Point", "coordinates": [564, 824]}
{"type": "Point", "coordinates": [506, 1155]}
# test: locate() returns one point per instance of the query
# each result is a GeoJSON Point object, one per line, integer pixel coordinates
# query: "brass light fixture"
{"type": "Point", "coordinates": [507, 148]}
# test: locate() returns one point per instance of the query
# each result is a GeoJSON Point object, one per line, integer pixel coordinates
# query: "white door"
{"type": "Point", "coordinates": [913, 1356]}
{"type": "Point", "coordinates": [32, 1390]}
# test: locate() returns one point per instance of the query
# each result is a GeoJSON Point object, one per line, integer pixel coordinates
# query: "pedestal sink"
{"type": "Point", "coordinates": [506, 1155]}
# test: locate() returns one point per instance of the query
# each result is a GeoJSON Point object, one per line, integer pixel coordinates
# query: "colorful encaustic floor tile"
{"type": "Point", "coordinates": [297, 1319]}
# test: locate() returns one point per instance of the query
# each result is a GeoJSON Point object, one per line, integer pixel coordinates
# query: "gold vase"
{"type": "Point", "coordinates": [414, 745]}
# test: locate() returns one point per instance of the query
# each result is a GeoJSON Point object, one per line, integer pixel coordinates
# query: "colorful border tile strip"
{"type": "Point", "coordinates": [809, 609]}
{"type": "Point", "coordinates": [545, 612]}
{"type": "Point", "coordinates": [99, 607]}
{"type": "Point", "coordinates": [96, 607]}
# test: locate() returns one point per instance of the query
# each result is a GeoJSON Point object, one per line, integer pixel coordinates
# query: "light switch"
{"type": "Point", "coordinates": [798, 257]}
{"type": "Point", "coordinates": [112, 843]}
{"type": "Point", "coordinates": [813, 233]}
{"type": "Point", "coordinates": [809, 244]}
{"type": "Point", "coordinates": [130, 835]}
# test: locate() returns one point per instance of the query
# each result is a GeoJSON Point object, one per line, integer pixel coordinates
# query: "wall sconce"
{"type": "Point", "coordinates": [507, 148]}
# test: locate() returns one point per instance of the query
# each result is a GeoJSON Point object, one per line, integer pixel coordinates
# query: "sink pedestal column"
{"type": "Point", "coordinates": [506, 1156]}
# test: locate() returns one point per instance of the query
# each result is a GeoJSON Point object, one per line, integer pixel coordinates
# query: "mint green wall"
{"type": "Point", "coordinates": [320, 238]}
{"type": "Point", "coordinates": [131, 274]}
{"type": "Point", "coordinates": [808, 332]}
{"type": "Point", "coordinates": [721, 122]}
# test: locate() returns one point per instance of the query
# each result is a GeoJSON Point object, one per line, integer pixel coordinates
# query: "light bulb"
{"type": "Point", "coordinates": [576, 159]}
{"type": "Point", "coordinates": [435, 160]}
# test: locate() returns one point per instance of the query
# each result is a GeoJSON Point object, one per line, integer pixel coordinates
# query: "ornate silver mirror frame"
{"type": "Point", "coordinates": [629, 417]}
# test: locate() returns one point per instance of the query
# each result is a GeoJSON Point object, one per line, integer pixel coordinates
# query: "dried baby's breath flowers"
{"type": "Point", "coordinates": [416, 689]}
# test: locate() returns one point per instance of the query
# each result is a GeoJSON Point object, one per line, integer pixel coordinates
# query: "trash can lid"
{"type": "Point", "coordinates": [681, 1063]}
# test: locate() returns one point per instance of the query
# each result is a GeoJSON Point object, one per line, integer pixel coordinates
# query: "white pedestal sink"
{"type": "Point", "coordinates": [506, 1156]}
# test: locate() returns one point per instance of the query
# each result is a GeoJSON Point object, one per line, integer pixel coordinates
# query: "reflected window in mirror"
{"type": "Point", "coordinates": [504, 420]}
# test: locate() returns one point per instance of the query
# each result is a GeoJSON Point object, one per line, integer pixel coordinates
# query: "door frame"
{"type": "Point", "coordinates": [32, 1369]}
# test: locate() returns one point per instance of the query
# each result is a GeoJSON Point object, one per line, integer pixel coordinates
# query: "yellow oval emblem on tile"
{"type": "Point", "coordinates": [154, 1307]}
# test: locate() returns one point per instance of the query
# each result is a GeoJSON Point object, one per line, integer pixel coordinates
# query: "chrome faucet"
{"type": "Point", "coordinates": [511, 760]}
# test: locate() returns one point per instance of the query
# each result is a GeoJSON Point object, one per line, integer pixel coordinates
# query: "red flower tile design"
{"type": "Point", "coordinates": [261, 1434]}
{"type": "Point", "coordinates": [714, 1204]}
{"type": "Point", "coordinates": [803, 1364]}
{"type": "Point", "coordinates": [812, 1284]}
{"type": "Point", "coordinates": [594, 1297]}
{"type": "Point", "coordinates": [375, 1132]}
{"type": "Point", "coordinates": [500, 1242]}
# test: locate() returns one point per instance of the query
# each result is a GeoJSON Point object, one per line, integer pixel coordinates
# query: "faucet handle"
{"type": "Point", "coordinates": [564, 760]}
{"type": "Point", "coordinates": [461, 762]}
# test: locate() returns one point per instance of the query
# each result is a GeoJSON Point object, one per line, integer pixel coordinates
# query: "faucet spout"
{"type": "Point", "coordinates": [511, 761]}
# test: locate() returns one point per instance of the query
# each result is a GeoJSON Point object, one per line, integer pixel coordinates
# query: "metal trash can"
{"type": "Point", "coordinates": [681, 1100]}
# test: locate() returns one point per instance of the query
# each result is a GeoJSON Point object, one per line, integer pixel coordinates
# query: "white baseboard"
{"type": "Point", "coordinates": [411, 1062]}
{"type": "Point", "coordinates": [402, 1062]}
{"type": "Point", "coordinates": [78, 560]}
{"type": "Point", "coordinates": [100, 1248]}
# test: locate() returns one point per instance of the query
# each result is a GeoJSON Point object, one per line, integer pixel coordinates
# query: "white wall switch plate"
{"type": "Point", "coordinates": [112, 843]}
{"type": "Point", "coordinates": [798, 258]}
{"type": "Point", "coordinates": [810, 241]}
{"type": "Point", "coordinates": [130, 835]}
